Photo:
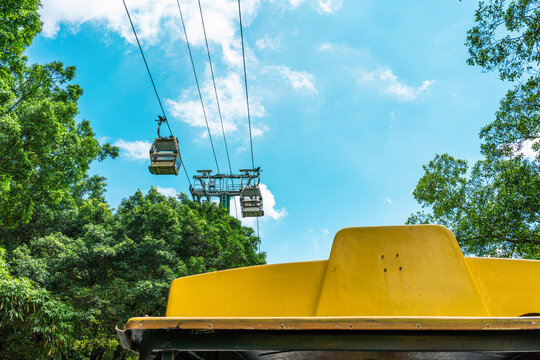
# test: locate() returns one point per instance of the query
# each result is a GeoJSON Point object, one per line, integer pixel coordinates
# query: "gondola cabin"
{"type": "Point", "coordinates": [251, 202]}
{"type": "Point", "coordinates": [165, 156]}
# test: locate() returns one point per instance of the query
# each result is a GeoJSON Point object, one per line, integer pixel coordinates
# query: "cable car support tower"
{"type": "Point", "coordinates": [226, 186]}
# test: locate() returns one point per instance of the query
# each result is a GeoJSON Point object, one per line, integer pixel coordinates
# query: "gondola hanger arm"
{"type": "Point", "coordinates": [160, 120]}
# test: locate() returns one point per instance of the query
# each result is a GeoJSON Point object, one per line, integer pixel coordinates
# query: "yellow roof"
{"type": "Point", "coordinates": [372, 271]}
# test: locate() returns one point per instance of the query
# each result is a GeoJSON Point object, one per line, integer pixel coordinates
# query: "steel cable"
{"type": "Point", "coordinates": [215, 88]}
{"type": "Point", "coordinates": [198, 86]}
{"type": "Point", "coordinates": [183, 164]}
{"type": "Point", "coordinates": [147, 68]}
{"type": "Point", "coordinates": [245, 84]}
{"type": "Point", "coordinates": [217, 98]}
{"type": "Point", "coordinates": [247, 98]}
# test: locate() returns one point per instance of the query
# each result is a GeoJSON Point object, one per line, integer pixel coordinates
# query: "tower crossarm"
{"type": "Point", "coordinates": [208, 185]}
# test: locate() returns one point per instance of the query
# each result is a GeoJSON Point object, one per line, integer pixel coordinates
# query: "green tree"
{"type": "Point", "coordinates": [45, 152]}
{"type": "Point", "coordinates": [70, 267]}
{"type": "Point", "coordinates": [111, 266]}
{"type": "Point", "coordinates": [32, 322]}
{"type": "Point", "coordinates": [506, 39]}
{"type": "Point", "coordinates": [492, 207]}
{"type": "Point", "coordinates": [45, 158]}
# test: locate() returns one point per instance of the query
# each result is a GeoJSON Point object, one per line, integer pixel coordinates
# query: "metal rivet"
{"type": "Point", "coordinates": [400, 268]}
{"type": "Point", "coordinates": [488, 325]}
{"type": "Point", "coordinates": [418, 326]}
{"type": "Point", "coordinates": [350, 326]}
{"type": "Point", "coordinates": [282, 326]}
{"type": "Point", "coordinates": [397, 255]}
{"type": "Point", "coordinates": [384, 269]}
{"type": "Point", "coordinates": [382, 256]}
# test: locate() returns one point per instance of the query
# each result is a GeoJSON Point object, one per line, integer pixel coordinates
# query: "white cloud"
{"type": "Point", "coordinates": [232, 101]}
{"type": "Point", "coordinates": [320, 6]}
{"type": "Point", "coordinates": [527, 149]}
{"type": "Point", "coordinates": [388, 200]}
{"type": "Point", "coordinates": [269, 207]}
{"type": "Point", "coordinates": [326, 47]}
{"type": "Point", "coordinates": [319, 237]}
{"type": "Point", "coordinates": [154, 19]}
{"type": "Point", "coordinates": [387, 82]}
{"type": "Point", "coordinates": [299, 80]}
{"type": "Point", "coordinates": [257, 131]}
{"type": "Point", "coordinates": [167, 191]}
{"type": "Point", "coordinates": [328, 6]}
{"type": "Point", "coordinates": [73, 13]}
{"type": "Point", "coordinates": [103, 139]}
{"type": "Point", "coordinates": [269, 204]}
{"type": "Point", "coordinates": [134, 150]}
{"type": "Point", "coordinates": [158, 23]}
{"type": "Point", "coordinates": [269, 43]}
{"type": "Point", "coordinates": [295, 3]}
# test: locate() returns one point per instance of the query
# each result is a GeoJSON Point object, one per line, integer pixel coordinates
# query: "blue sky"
{"type": "Point", "coordinates": [349, 99]}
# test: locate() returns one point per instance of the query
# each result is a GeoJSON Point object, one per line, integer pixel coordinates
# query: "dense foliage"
{"type": "Point", "coordinates": [33, 324]}
{"type": "Point", "coordinates": [493, 206]}
{"type": "Point", "coordinates": [71, 268]}
{"type": "Point", "coordinates": [108, 266]}
{"type": "Point", "coordinates": [44, 151]}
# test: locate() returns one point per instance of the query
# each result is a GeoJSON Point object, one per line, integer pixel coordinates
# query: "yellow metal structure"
{"type": "Point", "coordinates": [373, 271]}
{"type": "Point", "coordinates": [509, 287]}
{"type": "Point", "coordinates": [394, 292]}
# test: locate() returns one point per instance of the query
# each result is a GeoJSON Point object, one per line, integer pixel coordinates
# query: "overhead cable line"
{"type": "Point", "coordinates": [197, 82]}
{"type": "Point", "coordinates": [258, 234]}
{"type": "Point", "coordinates": [154, 85]}
{"type": "Point", "coordinates": [247, 99]}
{"type": "Point", "coordinates": [185, 171]}
{"type": "Point", "coordinates": [215, 88]}
{"type": "Point", "coordinates": [217, 98]}
{"type": "Point", "coordinates": [245, 84]}
{"type": "Point", "coordinates": [147, 68]}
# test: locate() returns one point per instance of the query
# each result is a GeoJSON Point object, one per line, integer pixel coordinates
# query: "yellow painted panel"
{"type": "Point", "coordinates": [258, 291]}
{"type": "Point", "coordinates": [377, 271]}
{"type": "Point", "coordinates": [398, 271]}
{"type": "Point", "coordinates": [509, 287]}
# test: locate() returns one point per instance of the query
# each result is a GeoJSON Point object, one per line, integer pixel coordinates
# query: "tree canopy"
{"type": "Point", "coordinates": [505, 39]}
{"type": "Point", "coordinates": [45, 151]}
{"type": "Point", "coordinates": [109, 266]}
{"type": "Point", "coordinates": [492, 206]}
{"type": "Point", "coordinates": [71, 268]}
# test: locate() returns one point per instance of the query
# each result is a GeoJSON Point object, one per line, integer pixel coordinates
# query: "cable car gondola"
{"type": "Point", "coordinates": [251, 201]}
{"type": "Point", "coordinates": [164, 154]}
